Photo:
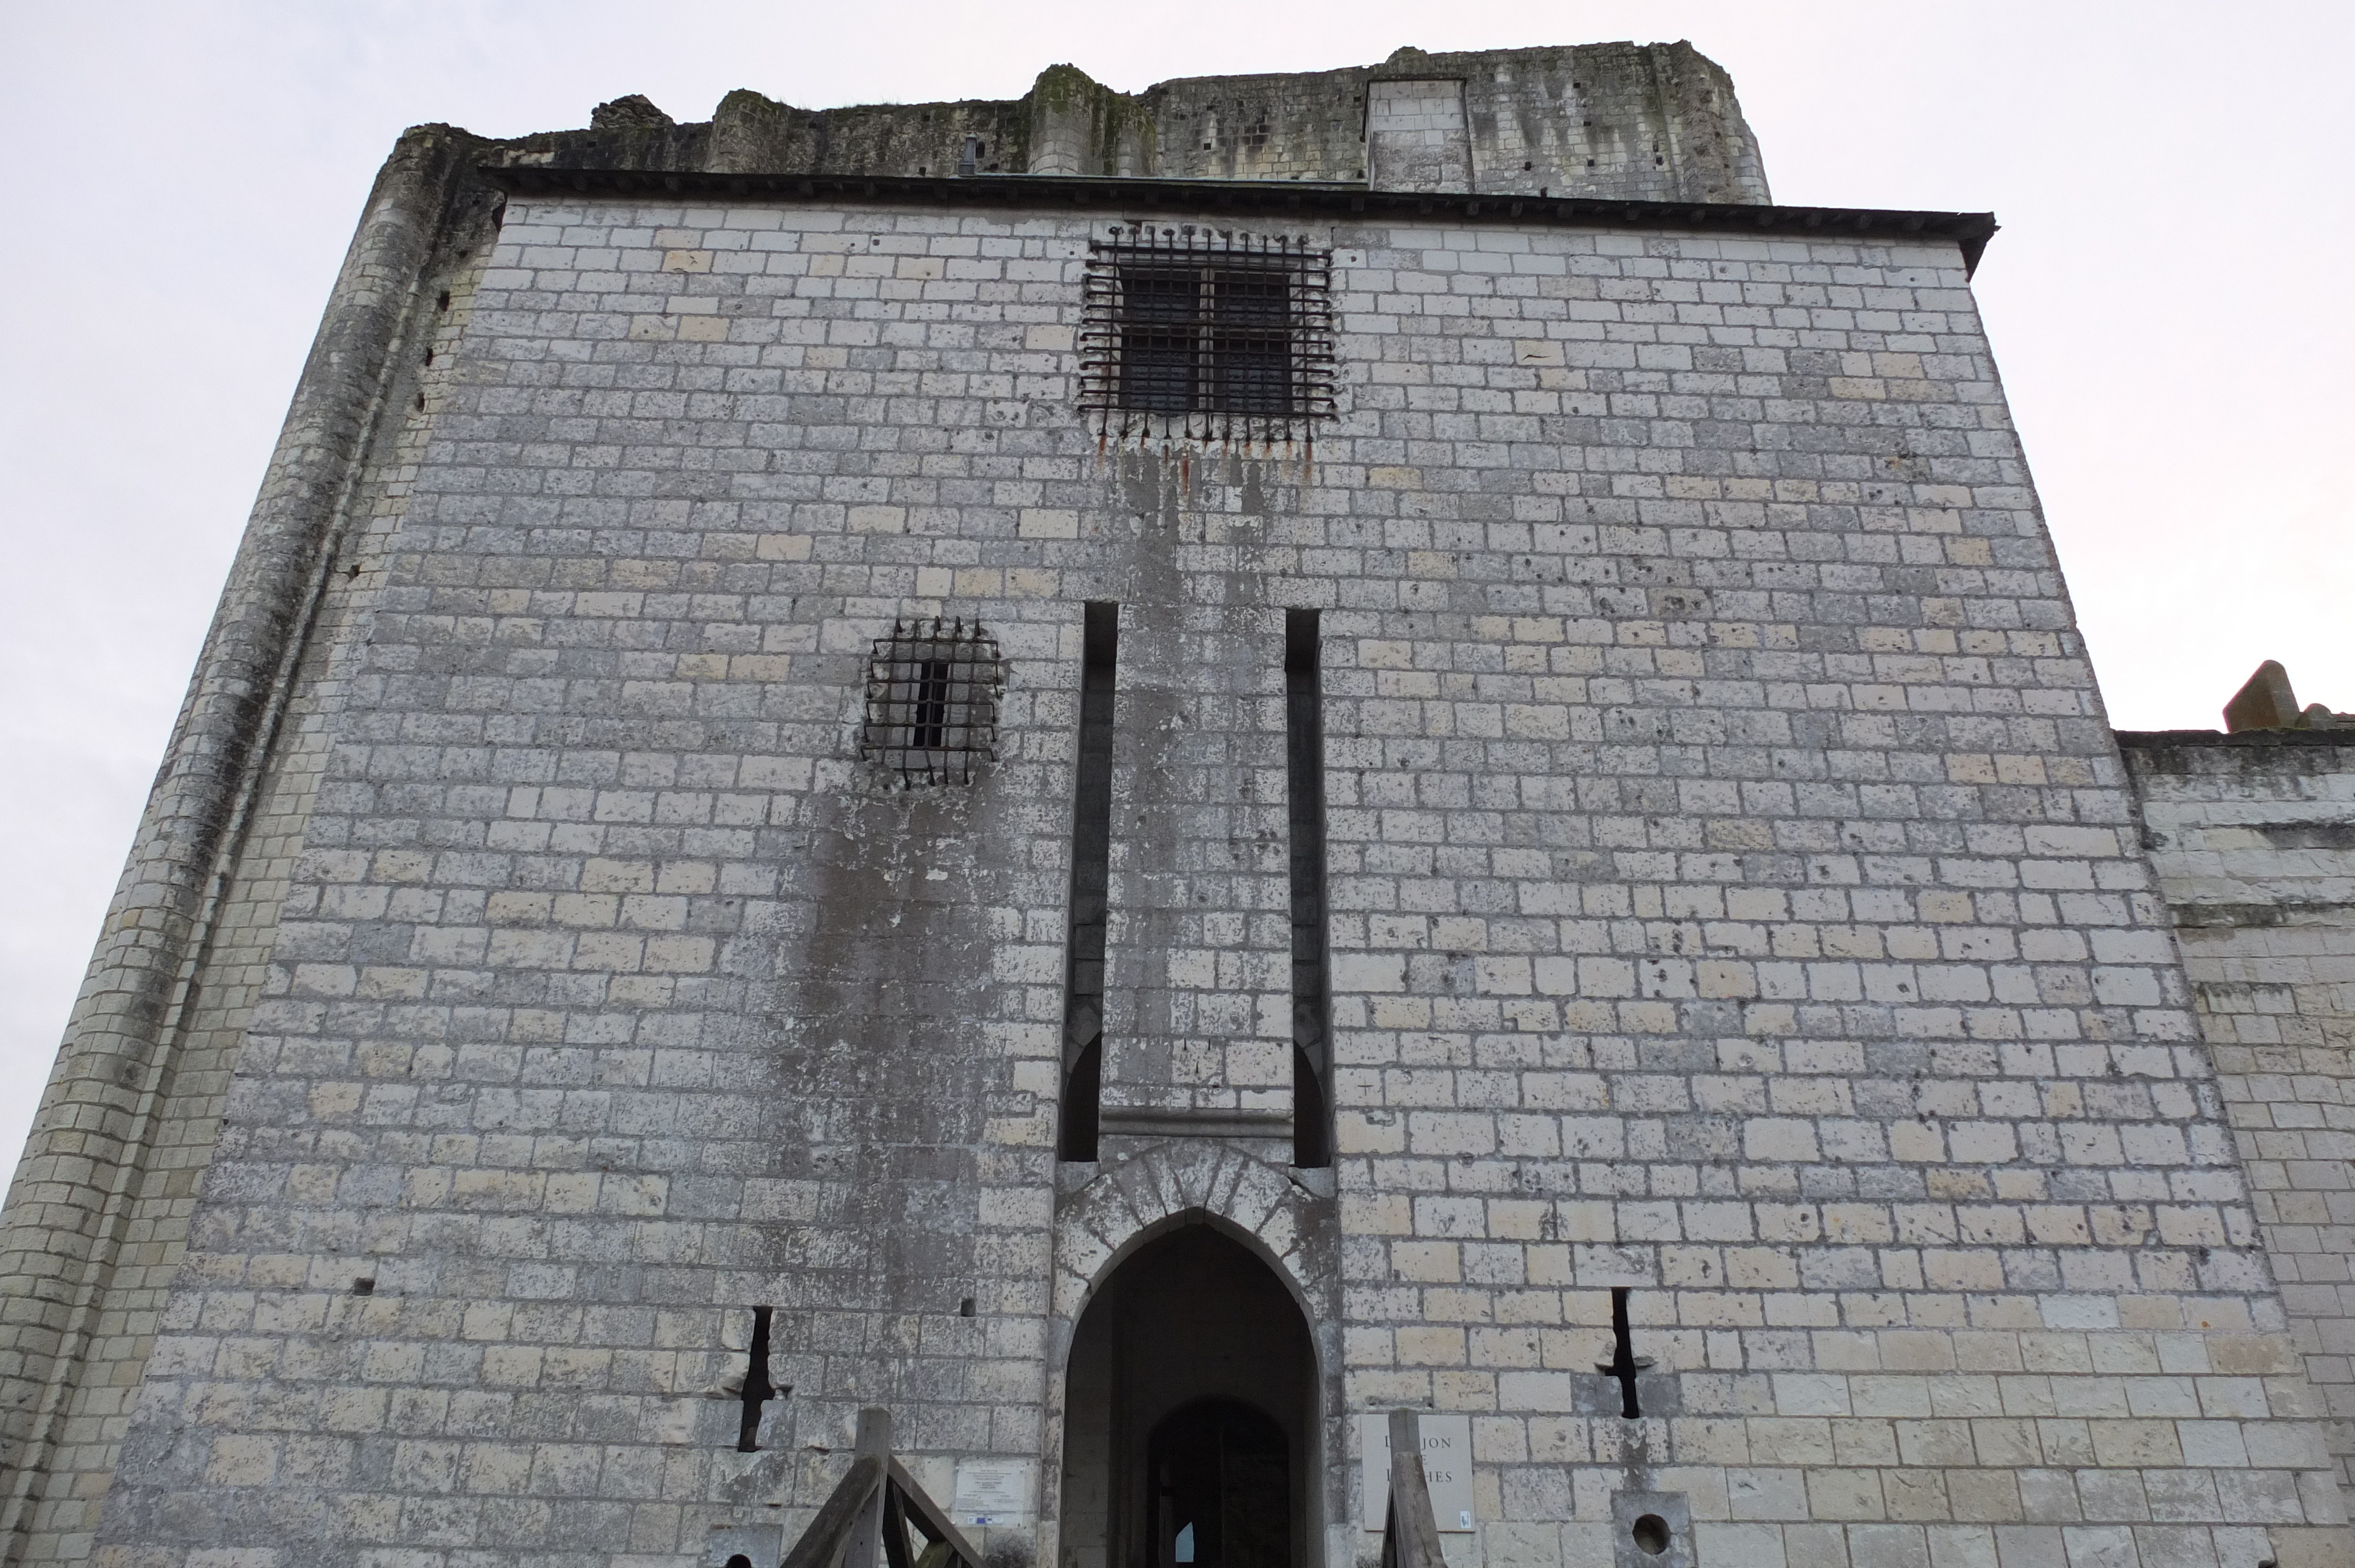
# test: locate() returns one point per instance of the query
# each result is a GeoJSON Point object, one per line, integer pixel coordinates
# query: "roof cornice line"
{"type": "Point", "coordinates": [1969, 230]}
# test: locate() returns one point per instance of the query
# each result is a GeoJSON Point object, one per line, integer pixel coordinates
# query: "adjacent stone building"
{"type": "Point", "coordinates": [2252, 835]}
{"type": "Point", "coordinates": [1142, 775]}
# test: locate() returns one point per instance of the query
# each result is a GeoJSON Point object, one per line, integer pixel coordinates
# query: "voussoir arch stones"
{"type": "Point", "coordinates": [1266, 1207]}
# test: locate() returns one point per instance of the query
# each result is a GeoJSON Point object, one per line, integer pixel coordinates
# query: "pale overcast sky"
{"type": "Point", "coordinates": [2166, 300]}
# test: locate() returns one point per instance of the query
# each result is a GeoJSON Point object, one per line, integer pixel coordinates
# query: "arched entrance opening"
{"type": "Point", "coordinates": [1189, 1415]}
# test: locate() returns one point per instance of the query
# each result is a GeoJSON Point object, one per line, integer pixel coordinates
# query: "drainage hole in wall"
{"type": "Point", "coordinates": [1651, 1533]}
{"type": "Point", "coordinates": [363, 1287]}
{"type": "Point", "coordinates": [739, 1561]}
{"type": "Point", "coordinates": [965, 1308]}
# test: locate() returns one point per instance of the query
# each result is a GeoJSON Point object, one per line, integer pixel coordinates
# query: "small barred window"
{"type": "Point", "coordinates": [1200, 333]}
{"type": "Point", "coordinates": [932, 702]}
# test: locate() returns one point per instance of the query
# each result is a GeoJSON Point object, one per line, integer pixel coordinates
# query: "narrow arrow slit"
{"type": "Point", "coordinates": [1625, 1363]}
{"type": "Point", "coordinates": [1311, 1007]}
{"type": "Point", "coordinates": [1091, 873]}
{"type": "Point", "coordinates": [758, 1389]}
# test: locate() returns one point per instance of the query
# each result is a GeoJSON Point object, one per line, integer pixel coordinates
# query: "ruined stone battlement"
{"type": "Point", "coordinates": [1621, 121]}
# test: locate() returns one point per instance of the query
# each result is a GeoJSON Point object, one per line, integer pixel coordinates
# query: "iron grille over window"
{"type": "Point", "coordinates": [932, 702]}
{"type": "Point", "coordinates": [1195, 332]}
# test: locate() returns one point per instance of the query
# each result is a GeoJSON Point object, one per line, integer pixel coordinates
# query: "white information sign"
{"type": "Point", "coordinates": [1447, 1465]}
{"type": "Point", "coordinates": [991, 1492]}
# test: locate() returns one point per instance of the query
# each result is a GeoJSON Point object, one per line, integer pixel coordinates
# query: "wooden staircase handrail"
{"type": "Point", "coordinates": [824, 1540]}
{"type": "Point", "coordinates": [1410, 1529]}
{"type": "Point", "coordinates": [864, 1522]}
{"type": "Point", "coordinates": [930, 1520]}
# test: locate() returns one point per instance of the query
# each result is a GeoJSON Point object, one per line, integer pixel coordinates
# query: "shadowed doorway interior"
{"type": "Point", "coordinates": [1189, 1419]}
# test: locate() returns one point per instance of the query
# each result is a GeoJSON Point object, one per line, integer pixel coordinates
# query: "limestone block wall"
{"type": "Point", "coordinates": [2253, 839]}
{"type": "Point", "coordinates": [1416, 135]}
{"type": "Point", "coordinates": [1198, 981]}
{"type": "Point", "coordinates": [204, 1051]}
{"type": "Point", "coordinates": [1736, 899]}
{"type": "Point", "coordinates": [98, 1216]}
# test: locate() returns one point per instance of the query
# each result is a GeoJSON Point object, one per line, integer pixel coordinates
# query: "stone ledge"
{"type": "Point", "coordinates": [1292, 198]}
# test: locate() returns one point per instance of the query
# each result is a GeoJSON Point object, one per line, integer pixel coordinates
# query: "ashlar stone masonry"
{"type": "Point", "coordinates": [1733, 911]}
{"type": "Point", "coordinates": [2253, 838]}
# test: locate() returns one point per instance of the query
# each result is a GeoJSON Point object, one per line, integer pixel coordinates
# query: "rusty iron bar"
{"type": "Point", "coordinates": [1203, 410]}
{"type": "Point", "coordinates": [932, 701]}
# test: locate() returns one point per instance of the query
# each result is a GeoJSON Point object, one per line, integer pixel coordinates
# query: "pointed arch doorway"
{"type": "Point", "coordinates": [1191, 1415]}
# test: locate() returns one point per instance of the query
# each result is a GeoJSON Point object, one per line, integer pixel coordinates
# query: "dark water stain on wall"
{"type": "Point", "coordinates": [878, 1090]}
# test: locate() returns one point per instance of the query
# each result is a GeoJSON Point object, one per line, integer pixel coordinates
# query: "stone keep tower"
{"type": "Point", "coordinates": [1142, 777]}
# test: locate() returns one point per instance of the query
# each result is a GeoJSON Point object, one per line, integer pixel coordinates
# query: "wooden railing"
{"type": "Point", "coordinates": [873, 1509]}
{"type": "Point", "coordinates": [868, 1520]}
{"type": "Point", "coordinates": [1410, 1529]}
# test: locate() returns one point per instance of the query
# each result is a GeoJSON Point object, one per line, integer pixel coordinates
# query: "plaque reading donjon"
{"type": "Point", "coordinates": [1446, 1466]}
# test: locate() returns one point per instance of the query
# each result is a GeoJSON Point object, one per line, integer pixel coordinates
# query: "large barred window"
{"type": "Point", "coordinates": [932, 702]}
{"type": "Point", "coordinates": [1211, 334]}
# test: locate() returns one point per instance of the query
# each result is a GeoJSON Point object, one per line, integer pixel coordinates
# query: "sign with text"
{"type": "Point", "coordinates": [1447, 1465]}
{"type": "Point", "coordinates": [991, 1492]}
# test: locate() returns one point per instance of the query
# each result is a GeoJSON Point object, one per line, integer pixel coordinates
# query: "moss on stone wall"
{"type": "Point", "coordinates": [1651, 121]}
